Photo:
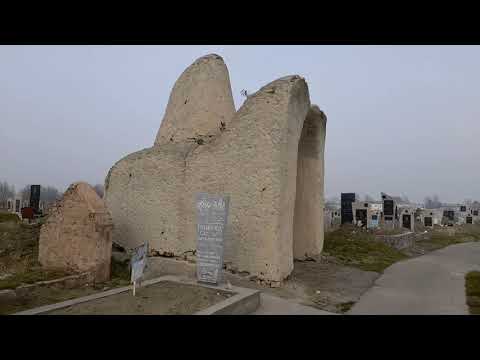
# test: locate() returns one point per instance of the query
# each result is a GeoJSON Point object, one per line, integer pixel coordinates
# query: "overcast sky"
{"type": "Point", "coordinates": [401, 119]}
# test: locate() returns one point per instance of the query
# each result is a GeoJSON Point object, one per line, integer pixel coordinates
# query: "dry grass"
{"type": "Point", "coordinates": [19, 265]}
{"type": "Point", "coordinates": [19, 254]}
{"type": "Point", "coordinates": [472, 290]}
{"type": "Point", "coordinates": [355, 247]}
{"type": "Point", "coordinates": [439, 238]}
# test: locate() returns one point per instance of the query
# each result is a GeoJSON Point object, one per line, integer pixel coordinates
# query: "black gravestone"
{"type": "Point", "coordinates": [35, 197]}
{"type": "Point", "coordinates": [388, 207]}
{"type": "Point", "coordinates": [346, 209]}
{"type": "Point", "coordinates": [212, 215]}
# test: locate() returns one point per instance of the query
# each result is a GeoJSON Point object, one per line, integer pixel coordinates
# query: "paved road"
{"type": "Point", "coordinates": [430, 284]}
{"type": "Point", "coordinates": [273, 305]}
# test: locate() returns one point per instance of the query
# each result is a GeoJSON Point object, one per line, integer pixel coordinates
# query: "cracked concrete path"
{"type": "Point", "coordinates": [432, 284]}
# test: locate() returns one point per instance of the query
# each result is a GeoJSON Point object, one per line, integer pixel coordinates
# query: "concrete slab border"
{"type": "Point", "coordinates": [243, 302]}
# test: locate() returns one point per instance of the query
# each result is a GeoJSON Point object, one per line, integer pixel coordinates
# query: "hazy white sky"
{"type": "Point", "coordinates": [401, 119]}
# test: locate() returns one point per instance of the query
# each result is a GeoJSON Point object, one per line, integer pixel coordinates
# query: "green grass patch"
{"type": "Point", "coordinates": [472, 291]}
{"type": "Point", "coordinates": [359, 248]}
{"type": "Point", "coordinates": [472, 284]}
{"type": "Point", "coordinates": [120, 272]}
{"type": "Point", "coordinates": [8, 217]}
{"type": "Point", "coordinates": [30, 277]}
{"type": "Point", "coordinates": [471, 231]}
{"type": "Point", "coordinates": [440, 238]}
{"type": "Point", "coordinates": [19, 256]}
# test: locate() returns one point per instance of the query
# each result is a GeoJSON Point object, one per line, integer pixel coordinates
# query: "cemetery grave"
{"type": "Point", "coordinates": [163, 298]}
{"type": "Point", "coordinates": [165, 295]}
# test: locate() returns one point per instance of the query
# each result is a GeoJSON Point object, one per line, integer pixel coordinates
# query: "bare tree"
{"type": "Point", "coordinates": [332, 203]}
{"type": "Point", "coordinates": [48, 194]}
{"type": "Point", "coordinates": [6, 191]}
{"type": "Point", "coordinates": [432, 202]}
{"type": "Point", "coordinates": [99, 189]}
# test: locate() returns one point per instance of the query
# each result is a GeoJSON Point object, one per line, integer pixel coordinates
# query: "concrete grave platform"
{"type": "Point", "coordinates": [242, 301]}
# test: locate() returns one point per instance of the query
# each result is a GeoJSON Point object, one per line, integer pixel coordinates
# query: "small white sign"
{"type": "Point", "coordinates": [138, 263]}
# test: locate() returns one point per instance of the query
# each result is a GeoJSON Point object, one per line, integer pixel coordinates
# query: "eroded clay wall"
{"type": "Point", "coordinates": [254, 161]}
{"type": "Point", "coordinates": [309, 216]}
{"type": "Point", "coordinates": [76, 235]}
{"type": "Point", "coordinates": [203, 145]}
{"type": "Point", "coordinates": [142, 192]}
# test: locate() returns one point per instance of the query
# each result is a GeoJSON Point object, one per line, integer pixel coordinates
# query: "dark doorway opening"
{"type": "Point", "coordinates": [407, 221]}
{"type": "Point", "coordinates": [428, 221]}
{"type": "Point", "coordinates": [388, 207]}
{"type": "Point", "coordinates": [469, 220]}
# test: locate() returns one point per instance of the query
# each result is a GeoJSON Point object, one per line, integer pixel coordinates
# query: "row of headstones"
{"type": "Point", "coordinates": [18, 203]}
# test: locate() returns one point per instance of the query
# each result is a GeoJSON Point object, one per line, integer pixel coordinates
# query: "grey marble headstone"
{"type": "Point", "coordinates": [212, 218]}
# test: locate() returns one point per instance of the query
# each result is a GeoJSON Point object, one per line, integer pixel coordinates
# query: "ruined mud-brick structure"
{"type": "Point", "coordinates": [268, 156]}
{"type": "Point", "coordinates": [77, 234]}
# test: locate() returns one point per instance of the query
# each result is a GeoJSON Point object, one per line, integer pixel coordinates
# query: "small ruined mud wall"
{"type": "Point", "coordinates": [401, 241]}
{"type": "Point", "coordinates": [76, 236]}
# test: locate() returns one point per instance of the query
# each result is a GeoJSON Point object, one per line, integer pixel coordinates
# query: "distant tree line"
{"type": "Point", "coordinates": [7, 191]}
{"type": "Point", "coordinates": [99, 189]}
{"type": "Point", "coordinates": [432, 202]}
{"type": "Point", "coordinates": [48, 194]}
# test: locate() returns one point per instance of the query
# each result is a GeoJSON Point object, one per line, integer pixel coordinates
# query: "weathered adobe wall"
{"type": "Point", "coordinates": [250, 155]}
{"type": "Point", "coordinates": [200, 101]}
{"type": "Point", "coordinates": [309, 203]}
{"type": "Point", "coordinates": [76, 235]}
{"type": "Point", "coordinates": [255, 161]}
{"type": "Point", "coordinates": [144, 191]}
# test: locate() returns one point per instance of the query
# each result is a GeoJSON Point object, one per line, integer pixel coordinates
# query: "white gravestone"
{"type": "Point", "coordinates": [212, 215]}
